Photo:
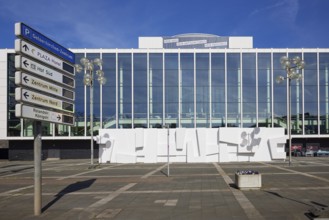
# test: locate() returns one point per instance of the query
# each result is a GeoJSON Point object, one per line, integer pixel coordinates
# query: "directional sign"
{"type": "Point", "coordinates": [39, 39]}
{"type": "Point", "coordinates": [23, 79]}
{"type": "Point", "coordinates": [26, 111]}
{"type": "Point", "coordinates": [25, 95]}
{"type": "Point", "coordinates": [44, 76]}
{"type": "Point", "coordinates": [29, 65]}
{"type": "Point", "coordinates": [41, 55]}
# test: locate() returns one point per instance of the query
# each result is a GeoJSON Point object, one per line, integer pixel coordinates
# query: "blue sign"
{"type": "Point", "coordinates": [44, 42]}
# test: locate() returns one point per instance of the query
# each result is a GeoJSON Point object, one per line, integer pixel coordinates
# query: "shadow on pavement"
{"type": "Point", "coordinates": [69, 189]}
{"type": "Point", "coordinates": [294, 200]}
{"type": "Point", "coordinates": [313, 212]}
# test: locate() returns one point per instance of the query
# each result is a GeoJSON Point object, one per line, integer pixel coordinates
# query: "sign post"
{"type": "Point", "coordinates": [37, 132]}
{"type": "Point", "coordinates": [168, 150]}
{"type": "Point", "coordinates": [45, 89]}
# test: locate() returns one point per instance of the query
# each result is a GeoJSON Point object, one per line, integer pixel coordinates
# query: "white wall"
{"type": "Point", "coordinates": [191, 145]}
{"type": "Point", "coordinates": [3, 94]}
{"type": "Point", "coordinates": [150, 42]}
{"type": "Point", "coordinates": [240, 42]}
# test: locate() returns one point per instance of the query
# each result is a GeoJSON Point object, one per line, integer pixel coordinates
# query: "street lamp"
{"type": "Point", "coordinates": [88, 67]}
{"type": "Point", "coordinates": [292, 67]}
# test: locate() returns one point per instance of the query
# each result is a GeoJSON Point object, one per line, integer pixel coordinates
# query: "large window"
{"type": "Point", "coordinates": [310, 94]}
{"type": "Point", "coordinates": [187, 90]}
{"type": "Point", "coordinates": [264, 90]}
{"type": "Point", "coordinates": [79, 128]}
{"type": "Point", "coordinates": [202, 90]}
{"type": "Point", "coordinates": [218, 90]}
{"type": "Point", "coordinates": [14, 124]}
{"type": "Point", "coordinates": [156, 89]}
{"type": "Point", "coordinates": [96, 99]}
{"type": "Point", "coordinates": [296, 103]}
{"type": "Point", "coordinates": [249, 89]}
{"type": "Point", "coordinates": [171, 90]}
{"type": "Point", "coordinates": [197, 88]}
{"type": "Point", "coordinates": [324, 92]}
{"type": "Point", "coordinates": [125, 90]}
{"type": "Point", "coordinates": [140, 90]}
{"type": "Point", "coordinates": [109, 90]}
{"type": "Point", "coordinates": [233, 90]}
{"type": "Point", "coordinates": [279, 93]}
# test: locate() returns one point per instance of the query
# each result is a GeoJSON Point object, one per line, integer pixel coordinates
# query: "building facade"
{"type": "Point", "coordinates": [185, 88]}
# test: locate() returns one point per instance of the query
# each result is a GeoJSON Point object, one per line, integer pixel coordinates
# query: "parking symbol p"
{"type": "Point", "coordinates": [27, 31]}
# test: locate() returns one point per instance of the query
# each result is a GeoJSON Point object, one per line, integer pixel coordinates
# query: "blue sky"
{"type": "Point", "coordinates": [118, 23]}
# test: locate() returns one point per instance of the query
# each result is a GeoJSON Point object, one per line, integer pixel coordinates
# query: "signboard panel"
{"type": "Point", "coordinates": [195, 41]}
{"type": "Point", "coordinates": [42, 56]}
{"type": "Point", "coordinates": [45, 76]}
{"type": "Point", "coordinates": [22, 30]}
{"type": "Point", "coordinates": [23, 79]}
{"type": "Point", "coordinates": [35, 98]}
{"type": "Point", "coordinates": [30, 112]}
{"type": "Point", "coordinates": [29, 65]}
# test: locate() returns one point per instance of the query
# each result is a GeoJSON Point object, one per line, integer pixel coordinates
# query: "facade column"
{"type": "Point", "coordinates": [240, 109]}
{"type": "Point", "coordinates": [210, 93]}
{"type": "Point", "coordinates": [268, 96]}
{"type": "Point", "coordinates": [132, 92]}
{"type": "Point", "coordinates": [149, 91]}
{"type": "Point", "coordinates": [101, 99]}
{"type": "Point", "coordinates": [121, 96]}
{"type": "Point", "coordinates": [194, 90]}
{"type": "Point", "coordinates": [163, 90]}
{"type": "Point", "coordinates": [179, 91]}
{"type": "Point", "coordinates": [226, 119]}
{"type": "Point", "coordinates": [150, 95]}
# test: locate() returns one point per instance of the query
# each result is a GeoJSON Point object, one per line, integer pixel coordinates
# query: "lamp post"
{"type": "Point", "coordinates": [88, 67]}
{"type": "Point", "coordinates": [292, 67]}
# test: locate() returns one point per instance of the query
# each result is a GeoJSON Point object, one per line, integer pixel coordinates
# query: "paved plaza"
{"type": "Point", "coordinates": [71, 189]}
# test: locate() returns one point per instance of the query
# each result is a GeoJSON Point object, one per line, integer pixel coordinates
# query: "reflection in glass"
{"type": "Point", "coordinates": [296, 103]}
{"type": "Point", "coordinates": [202, 90]}
{"type": "Point", "coordinates": [155, 89]}
{"type": "Point", "coordinates": [264, 90]}
{"type": "Point", "coordinates": [171, 90]}
{"type": "Point", "coordinates": [324, 92]}
{"type": "Point", "coordinates": [310, 94]}
{"type": "Point", "coordinates": [218, 90]}
{"type": "Point", "coordinates": [249, 89]}
{"type": "Point", "coordinates": [124, 91]}
{"type": "Point", "coordinates": [233, 90]}
{"type": "Point", "coordinates": [207, 89]}
{"type": "Point", "coordinates": [279, 94]}
{"type": "Point", "coordinates": [109, 90]}
{"type": "Point", "coordinates": [187, 90]}
{"type": "Point", "coordinates": [140, 90]}
{"type": "Point", "coordinates": [79, 125]}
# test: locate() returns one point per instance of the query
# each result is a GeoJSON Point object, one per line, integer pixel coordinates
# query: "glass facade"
{"type": "Point", "coordinates": [323, 100]}
{"type": "Point", "coordinates": [194, 88]}
{"type": "Point", "coordinates": [14, 124]}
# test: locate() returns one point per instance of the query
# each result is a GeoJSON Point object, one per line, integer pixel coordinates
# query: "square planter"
{"type": "Point", "coordinates": [248, 181]}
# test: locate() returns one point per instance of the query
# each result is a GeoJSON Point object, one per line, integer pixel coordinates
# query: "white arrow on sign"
{"type": "Point", "coordinates": [40, 55]}
{"type": "Point", "coordinates": [26, 111]}
{"type": "Point", "coordinates": [29, 65]}
{"type": "Point", "coordinates": [23, 79]}
{"type": "Point", "coordinates": [25, 95]}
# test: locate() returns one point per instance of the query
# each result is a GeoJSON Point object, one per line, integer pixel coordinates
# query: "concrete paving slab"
{"type": "Point", "coordinates": [71, 190]}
